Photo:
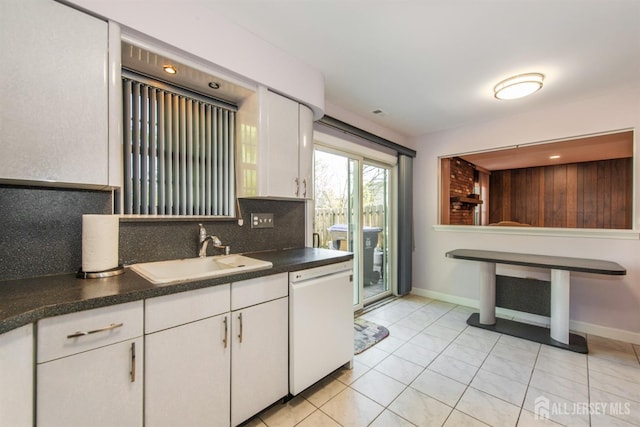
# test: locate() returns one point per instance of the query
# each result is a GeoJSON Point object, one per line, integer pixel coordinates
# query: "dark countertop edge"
{"type": "Point", "coordinates": [284, 261]}
{"type": "Point", "coordinates": [614, 269]}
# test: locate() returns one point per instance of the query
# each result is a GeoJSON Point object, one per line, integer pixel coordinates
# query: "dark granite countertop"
{"type": "Point", "coordinates": [25, 301]}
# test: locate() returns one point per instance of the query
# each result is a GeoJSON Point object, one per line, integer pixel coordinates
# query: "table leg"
{"type": "Point", "coordinates": [560, 286]}
{"type": "Point", "coordinates": [487, 293]}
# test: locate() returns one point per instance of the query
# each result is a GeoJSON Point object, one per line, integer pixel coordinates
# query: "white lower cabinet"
{"type": "Point", "coordinates": [187, 375]}
{"type": "Point", "coordinates": [101, 387]}
{"type": "Point", "coordinates": [259, 345]}
{"type": "Point", "coordinates": [216, 356]}
{"type": "Point", "coordinates": [16, 377]}
{"type": "Point", "coordinates": [89, 369]}
{"type": "Point", "coordinates": [187, 367]}
{"type": "Point", "coordinates": [259, 362]}
{"type": "Point", "coordinates": [209, 357]}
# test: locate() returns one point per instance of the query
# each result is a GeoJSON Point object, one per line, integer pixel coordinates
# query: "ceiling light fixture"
{"type": "Point", "coordinates": [518, 86]}
{"type": "Point", "coordinates": [214, 85]}
{"type": "Point", "coordinates": [170, 69]}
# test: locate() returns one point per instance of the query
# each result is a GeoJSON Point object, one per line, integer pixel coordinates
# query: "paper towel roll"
{"type": "Point", "coordinates": [99, 242]}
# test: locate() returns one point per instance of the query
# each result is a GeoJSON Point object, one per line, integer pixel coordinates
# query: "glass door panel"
{"type": "Point", "coordinates": [337, 201]}
{"type": "Point", "coordinates": [355, 237]}
{"type": "Point", "coordinates": [375, 226]}
{"type": "Point", "coordinates": [352, 214]}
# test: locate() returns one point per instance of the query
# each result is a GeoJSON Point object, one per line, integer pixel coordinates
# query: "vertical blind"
{"type": "Point", "coordinates": [178, 153]}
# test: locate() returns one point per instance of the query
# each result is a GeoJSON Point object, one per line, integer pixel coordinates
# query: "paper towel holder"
{"type": "Point", "coordinates": [100, 274]}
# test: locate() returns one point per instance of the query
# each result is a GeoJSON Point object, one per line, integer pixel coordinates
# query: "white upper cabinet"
{"type": "Point", "coordinates": [282, 146]}
{"type": "Point", "coordinates": [54, 91]}
{"type": "Point", "coordinates": [305, 151]}
{"type": "Point", "coordinates": [277, 160]}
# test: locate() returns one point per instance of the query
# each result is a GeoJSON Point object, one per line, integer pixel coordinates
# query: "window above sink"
{"type": "Point", "coordinates": [180, 132]}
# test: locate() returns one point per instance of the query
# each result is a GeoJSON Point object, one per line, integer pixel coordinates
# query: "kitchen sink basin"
{"type": "Point", "coordinates": [190, 269]}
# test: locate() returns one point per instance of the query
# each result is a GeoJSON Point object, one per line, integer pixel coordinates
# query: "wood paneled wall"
{"type": "Point", "coordinates": [583, 195]}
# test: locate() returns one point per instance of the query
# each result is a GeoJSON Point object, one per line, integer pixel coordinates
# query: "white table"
{"type": "Point", "coordinates": [561, 267]}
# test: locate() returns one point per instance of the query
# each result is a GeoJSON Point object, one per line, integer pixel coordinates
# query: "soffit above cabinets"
{"type": "Point", "coordinates": [151, 64]}
{"type": "Point", "coordinates": [577, 150]}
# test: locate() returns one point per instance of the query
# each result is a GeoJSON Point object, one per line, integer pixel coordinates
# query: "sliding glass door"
{"type": "Point", "coordinates": [352, 214]}
{"type": "Point", "coordinates": [375, 231]}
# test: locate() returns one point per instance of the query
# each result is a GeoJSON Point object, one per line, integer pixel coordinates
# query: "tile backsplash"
{"type": "Point", "coordinates": [41, 230]}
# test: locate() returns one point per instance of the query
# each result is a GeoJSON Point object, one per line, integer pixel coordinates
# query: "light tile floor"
{"type": "Point", "coordinates": [434, 370]}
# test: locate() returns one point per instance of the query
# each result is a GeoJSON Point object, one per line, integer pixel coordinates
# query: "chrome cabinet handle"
{"type": "Point", "coordinates": [297, 181]}
{"type": "Point", "coordinates": [240, 319]}
{"type": "Point", "coordinates": [132, 373]}
{"type": "Point", "coordinates": [95, 331]}
{"type": "Point", "coordinates": [304, 184]}
{"type": "Point", "coordinates": [226, 329]}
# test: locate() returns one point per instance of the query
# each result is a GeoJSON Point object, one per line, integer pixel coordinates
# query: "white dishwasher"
{"type": "Point", "coordinates": [320, 323]}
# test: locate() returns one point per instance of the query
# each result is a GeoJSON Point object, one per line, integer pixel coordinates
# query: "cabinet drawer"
{"type": "Point", "coordinates": [259, 290]}
{"type": "Point", "coordinates": [77, 332]}
{"type": "Point", "coordinates": [172, 310]}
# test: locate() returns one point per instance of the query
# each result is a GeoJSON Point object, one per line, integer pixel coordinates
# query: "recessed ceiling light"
{"type": "Point", "coordinates": [555, 156]}
{"type": "Point", "coordinates": [170, 69]}
{"type": "Point", "coordinates": [214, 85]}
{"type": "Point", "coordinates": [518, 86]}
{"type": "Point", "coordinates": [379, 112]}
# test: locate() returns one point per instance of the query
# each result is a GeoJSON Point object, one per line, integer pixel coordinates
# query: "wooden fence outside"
{"type": "Point", "coordinates": [373, 216]}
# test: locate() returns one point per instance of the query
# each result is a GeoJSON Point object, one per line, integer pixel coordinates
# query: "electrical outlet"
{"type": "Point", "coordinates": [261, 220]}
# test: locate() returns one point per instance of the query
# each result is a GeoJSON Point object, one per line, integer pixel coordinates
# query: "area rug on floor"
{"type": "Point", "coordinates": [367, 334]}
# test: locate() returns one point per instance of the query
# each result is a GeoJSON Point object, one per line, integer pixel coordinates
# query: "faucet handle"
{"type": "Point", "coordinates": [203, 232]}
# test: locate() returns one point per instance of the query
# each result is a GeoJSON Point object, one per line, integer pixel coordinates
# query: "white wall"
{"type": "Point", "coordinates": [194, 26]}
{"type": "Point", "coordinates": [603, 305]}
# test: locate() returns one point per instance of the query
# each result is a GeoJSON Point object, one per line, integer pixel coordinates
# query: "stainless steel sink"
{"type": "Point", "coordinates": [190, 269]}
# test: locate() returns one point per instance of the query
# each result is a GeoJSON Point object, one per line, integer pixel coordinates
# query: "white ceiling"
{"type": "Point", "coordinates": [586, 149]}
{"type": "Point", "coordinates": [432, 64]}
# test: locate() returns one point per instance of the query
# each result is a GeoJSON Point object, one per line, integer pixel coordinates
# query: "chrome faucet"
{"type": "Point", "coordinates": [204, 239]}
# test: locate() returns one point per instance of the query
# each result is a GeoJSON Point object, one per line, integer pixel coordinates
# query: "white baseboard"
{"type": "Point", "coordinates": [574, 325]}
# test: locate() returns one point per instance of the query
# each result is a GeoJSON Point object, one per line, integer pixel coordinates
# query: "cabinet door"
{"type": "Point", "coordinates": [259, 364]}
{"type": "Point", "coordinates": [282, 140]}
{"type": "Point", "coordinates": [305, 152]}
{"type": "Point", "coordinates": [54, 110]}
{"type": "Point", "coordinates": [187, 372]}
{"type": "Point", "coordinates": [16, 377]}
{"type": "Point", "coordinates": [101, 387]}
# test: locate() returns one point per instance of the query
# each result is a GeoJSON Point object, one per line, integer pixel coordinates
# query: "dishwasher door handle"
{"type": "Point", "coordinates": [319, 272]}
{"type": "Point", "coordinates": [312, 281]}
